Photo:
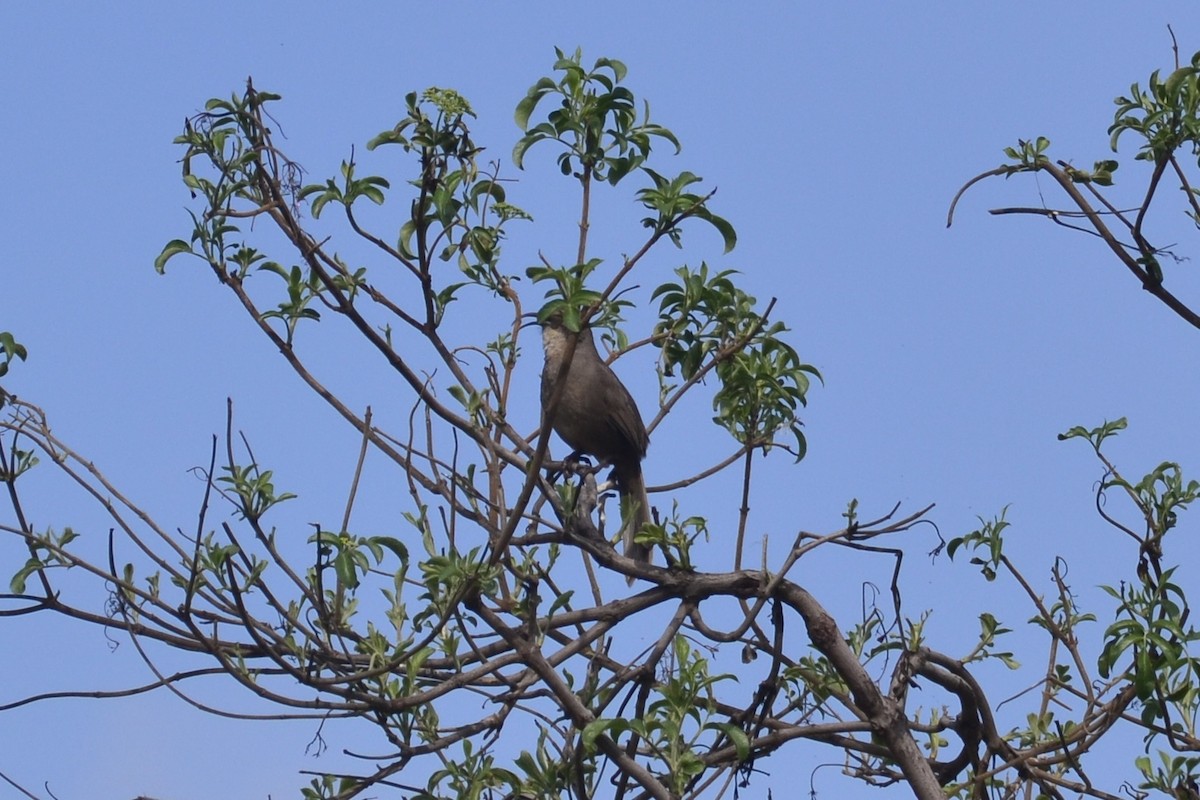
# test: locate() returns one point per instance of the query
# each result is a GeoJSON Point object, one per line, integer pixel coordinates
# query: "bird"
{"type": "Point", "coordinates": [597, 416]}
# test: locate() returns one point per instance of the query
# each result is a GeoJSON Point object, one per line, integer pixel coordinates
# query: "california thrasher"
{"type": "Point", "coordinates": [596, 415]}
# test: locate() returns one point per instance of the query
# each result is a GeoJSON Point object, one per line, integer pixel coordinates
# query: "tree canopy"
{"type": "Point", "coordinates": [488, 639]}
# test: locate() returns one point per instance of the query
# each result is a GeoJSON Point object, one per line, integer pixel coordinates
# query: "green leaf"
{"type": "Point", "coordinates": [373, 194]}
{"type": "Point", "coordinates": [404, 243]}
{"type": "Point", "coordinates": [600, 727]}
{"type": "Point", "coordinates": [11, 347]}
{"type": "Point", "coordinates": [741, 742]}
{"type": "Point", "coordinates": [1095, 435]}
{"type": "Point", "coordinates": [17, 584]}
{"type": "Point", "coordinates": [728, 234]}
{"type": "Point", "coordinates": [529, 102]}
{"type": "Point", "coordinates": [393, 544]}
{"type": "Point", "coordinates": [173, 248]}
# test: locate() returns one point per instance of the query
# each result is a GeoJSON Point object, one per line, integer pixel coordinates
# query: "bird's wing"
{"type": "Point", "coordinates": [630, 426]}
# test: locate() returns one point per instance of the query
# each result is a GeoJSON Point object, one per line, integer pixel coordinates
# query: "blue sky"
{"type": "Point", "coordinates": [837, 134]}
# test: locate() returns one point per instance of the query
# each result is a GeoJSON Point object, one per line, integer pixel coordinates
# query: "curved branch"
{"type": "Point", "coordinates": [1005, 170]}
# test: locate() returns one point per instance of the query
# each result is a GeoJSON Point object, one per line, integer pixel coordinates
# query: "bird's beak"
{"type": "Point", "coordinates": [531, 319]}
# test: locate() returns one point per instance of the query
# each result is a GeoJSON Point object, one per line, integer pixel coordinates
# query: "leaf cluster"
{"type": "Point", "coordinates": [596, 120]}
{"type": "Point", "coordinates": [707, 322]}
{"type": "Point", "coordinates": [10, 349]}
{"type": "Point", "coordinates": [1164, 114]}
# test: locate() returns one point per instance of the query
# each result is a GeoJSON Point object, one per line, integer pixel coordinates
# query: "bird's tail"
{"type": "Point", "coordinates": [635, 511]}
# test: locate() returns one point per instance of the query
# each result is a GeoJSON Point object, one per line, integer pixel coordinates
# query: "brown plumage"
{"type": "Point", "coordinates": [598, 416]}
